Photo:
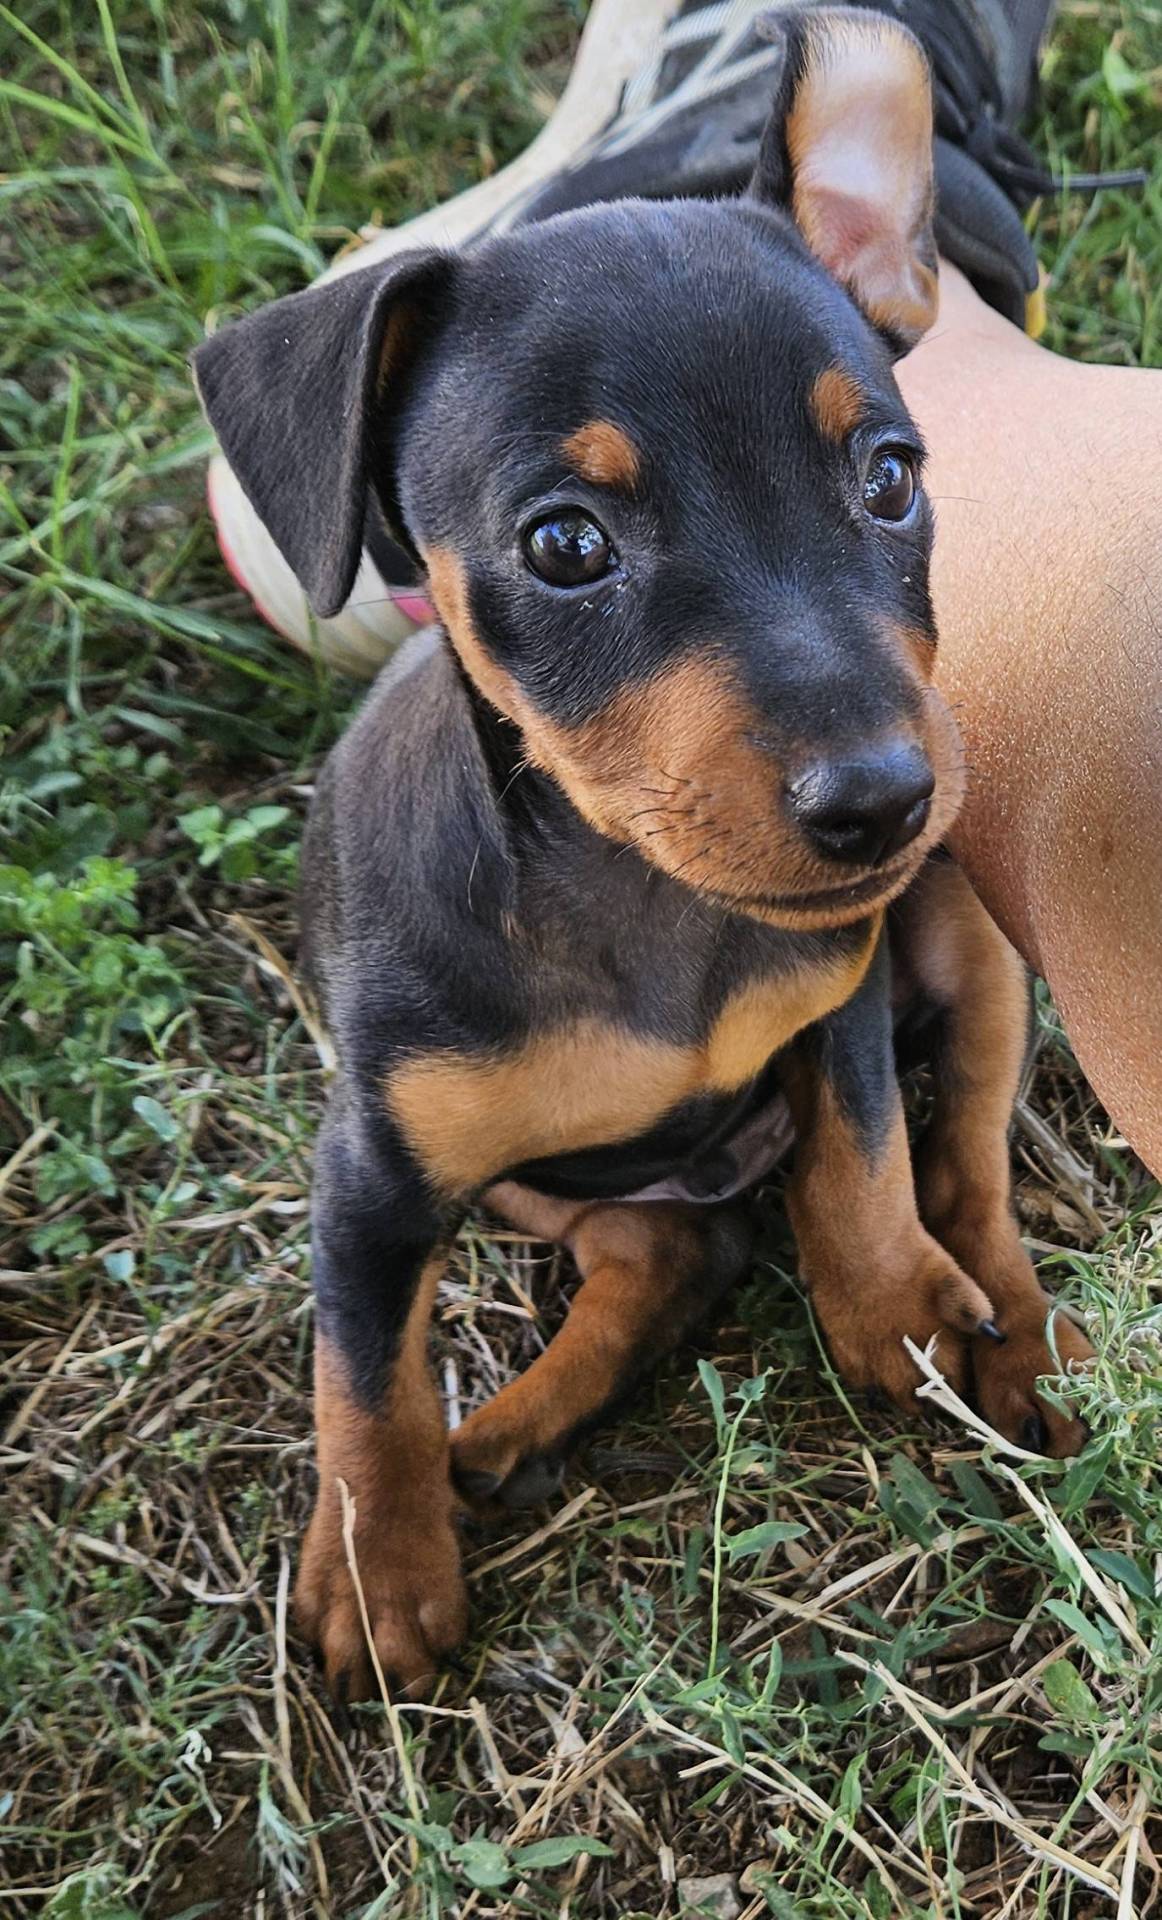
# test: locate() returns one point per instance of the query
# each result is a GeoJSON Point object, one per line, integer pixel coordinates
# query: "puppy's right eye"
{"type": "Point", "coordinates": [568, 549]}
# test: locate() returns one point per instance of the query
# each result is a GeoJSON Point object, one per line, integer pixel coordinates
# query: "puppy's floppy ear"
{"type": "Point", "coordinates": [291, 392]}
{"type": "Point", "coordinates": [848, 152]}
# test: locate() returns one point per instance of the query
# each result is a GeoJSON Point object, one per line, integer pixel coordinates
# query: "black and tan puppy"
{"type": "Point", "coordinates": [601, 878]}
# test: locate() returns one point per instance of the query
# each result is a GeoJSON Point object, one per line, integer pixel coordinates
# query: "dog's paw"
{"type": "Point", "coordinates": [414, 1593]}
{"type": "Point", "coordinates": [493, 1465]}
{"type": "Point", "coordinates": [1006, 1380]}
{"type": "Point", "coordinates": [928, 1299]}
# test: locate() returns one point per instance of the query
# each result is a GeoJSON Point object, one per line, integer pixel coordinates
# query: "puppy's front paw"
{"type": "Point", "coordinates": [928, 1297]}
{"type": "Point", "coordinates": [414, 1593]}
{"type": "Point", "coordinates": [1006, 1379]}
{"type": "Point", "coordinates": [495, 1464]}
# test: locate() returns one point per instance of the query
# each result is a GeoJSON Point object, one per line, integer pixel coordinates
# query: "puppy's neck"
{"type": "Point", "coordinates": [534, 809]}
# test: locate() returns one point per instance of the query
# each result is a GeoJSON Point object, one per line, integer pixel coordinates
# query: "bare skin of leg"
{"type": "Point", "coordinates": [1047, 481]}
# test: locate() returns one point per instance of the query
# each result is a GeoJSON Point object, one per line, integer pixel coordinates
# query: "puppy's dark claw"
{"type": "Point", "coordinates": [476, 1483]}
{"type": "Point", "coordinates": [1034, 1435]}
{"type": "Point", "coordinates": [991, 1328]}
{"type": "Point", "coordinates": [533, 1483]}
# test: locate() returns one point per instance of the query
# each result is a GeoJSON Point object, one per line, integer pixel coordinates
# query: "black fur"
{"type": "Point", "coordinates": [699, 329]}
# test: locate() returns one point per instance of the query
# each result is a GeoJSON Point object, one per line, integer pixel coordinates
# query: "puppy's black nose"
{"type": "Point", "coordinates": [864, 810]}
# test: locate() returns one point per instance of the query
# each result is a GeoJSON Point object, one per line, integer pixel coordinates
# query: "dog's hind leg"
{"type": "Point", "coordinates": [649, 1272]}
{"type": "Point", "coordinates": [964, 965]}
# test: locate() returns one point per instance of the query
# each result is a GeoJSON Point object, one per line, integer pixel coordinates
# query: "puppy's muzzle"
{"type": "Point", "coordinates": [863, 809]}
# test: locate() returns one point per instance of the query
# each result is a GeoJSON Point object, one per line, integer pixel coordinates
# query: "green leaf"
{"type": "Point", "coordinates": [851, 1790]}
{"type": "Point", "coordinates": [914, 1488]}
{"type": "Point", "coordinates": [156, 1116]}
{"type": "Point", "coordinates": [974, 1490]}
{"type": "Point", "coordinates": [715, 1391]}
{"type": "Point", "coordinates": [558, 1851]}
{"type": "Point", "coordinates": [753, 1390]}
{"type": "Point", "coordinates": [238, 861]}
{"type": "Point", "coordinates": [1073, 1744]}
{"type": "Point", "coordinates": [484, 1864]}
{"type": "Point", "coordinates": [1081, 1481]}
{"type": "Point", "coordinates": [731, 1735]}
{"type": "Point", "coordinates": [262, 818]}
{"type": "Point", "coordinates": [774, 1673]}
{"type": "Point", "coordinates": [1119, 75]}
{"type": "Point", "coordinates": [90, 1895]}
{"type": "Point", "coordinates": [771, 1533]}
{"type": "Point", "coordinates": [1090, 1634]}
{"type": "Point", "coordinates": [1125, 1571]}
{"type": "Point", "coordinates": [1068, 1694]}
{"type": "Point", "coordinates": [98, 1175]}
{"type": "Point", "coordinates": [120, 1264]}
{"type": "Point", "coordinates": [201, 821]}
{"type": "Point", "coordinates": [692, 1560]}
{"type": "Point", "coordinates": [239, 831]}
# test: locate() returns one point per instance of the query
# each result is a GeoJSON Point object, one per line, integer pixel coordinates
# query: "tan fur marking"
{"type": "Point", "coordinates": [603, 454]}
{"type": "Point", "coordinates": [739, 1044]}
{"type": "Point", "coordinates": [917, 649]}
{"type": "Point", "coordinates": [863, 111]}
{"type": "Point", "coordinates": [837, 403]}
{"type": "Point", "coordinates": [394, 1463]}
{"type": "Point", "coordinates": [691, 718]}
{"type": "Point", "coordinates": [873, 1272]}
{"type": "Point", "coordinates": [644, 1281]}
{"type": "Point", "coordinates": [964, 962]}
{"type": "Point", "coordinates": [449, 591]}
{"type": "Point", "coordinates": [398, 338]}
{"type": "Point", "coordinates": [468, 1117]}
{"type": "Point", "coordinates": [681, 766]}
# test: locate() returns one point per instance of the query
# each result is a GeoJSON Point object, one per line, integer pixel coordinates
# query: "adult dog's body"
{"type": "Point", "coordinates": [605, 879]}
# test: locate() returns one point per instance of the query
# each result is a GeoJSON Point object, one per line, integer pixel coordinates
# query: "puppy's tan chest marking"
{"type": "Point", "coordinates": [469, 1117]}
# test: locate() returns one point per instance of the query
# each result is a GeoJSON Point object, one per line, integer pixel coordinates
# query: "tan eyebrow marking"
{"type": "Point", "coordinates": [604, 454]}
{"type": "Point", "coordinates": [837, 403]}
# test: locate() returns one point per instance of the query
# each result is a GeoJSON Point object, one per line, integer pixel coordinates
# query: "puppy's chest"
{"type": "Point", "coordinates": [594, 1079]}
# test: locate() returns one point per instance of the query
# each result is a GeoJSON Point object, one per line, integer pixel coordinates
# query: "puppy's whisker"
{"type": "Point", "coordinates": [675, 813]}
{"type": "Point", "coordinates": [522, 766]}
{"type": "Point", "coordinates": [681, 868]}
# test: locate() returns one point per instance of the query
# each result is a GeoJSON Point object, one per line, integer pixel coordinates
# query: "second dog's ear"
{"type": "Point", "coordinates": [848, 153]}
{"type": "Point", "coordinates": [291, 392]}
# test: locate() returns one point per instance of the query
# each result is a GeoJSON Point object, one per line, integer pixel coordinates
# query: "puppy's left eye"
{"type": "Point", "coordinates": [890, 487]}
{"type": "Point", "coordinates": [568, 549]}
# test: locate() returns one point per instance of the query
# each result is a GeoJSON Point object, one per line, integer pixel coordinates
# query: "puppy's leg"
{"type": "Point", "coordinates": [874, 1272]}
{"type": "Point", "coordinates": [966, 966]}
{"type": "Point", "coordinates": [648, 1274]}
{"type": "Point", "coordinates": [380, 1426]}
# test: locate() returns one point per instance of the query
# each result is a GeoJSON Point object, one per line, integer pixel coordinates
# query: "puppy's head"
{"type": "Point", "coordinates": [656, 464]}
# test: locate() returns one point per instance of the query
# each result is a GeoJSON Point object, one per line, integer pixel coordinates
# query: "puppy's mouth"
{"type": "Point", "coordinates": [851, 893]}
{"type": "Point", "coordinates": [824, 909]}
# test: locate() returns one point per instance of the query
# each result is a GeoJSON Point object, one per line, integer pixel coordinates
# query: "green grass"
{"type": "Point", "coordinates": [923, 1686]}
